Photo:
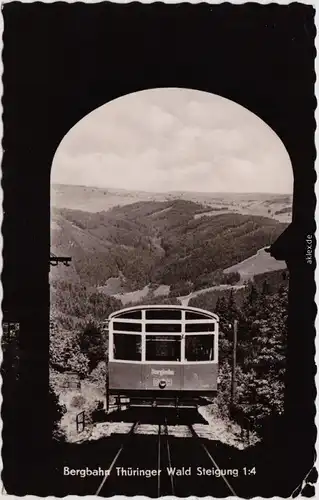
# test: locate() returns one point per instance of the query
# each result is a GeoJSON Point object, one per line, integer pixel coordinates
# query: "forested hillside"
{"type": "Point", "coordinates": [155, 242]}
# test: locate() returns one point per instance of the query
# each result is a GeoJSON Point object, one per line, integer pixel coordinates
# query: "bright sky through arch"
{"type": "Point", "coordinates": [174, 139]}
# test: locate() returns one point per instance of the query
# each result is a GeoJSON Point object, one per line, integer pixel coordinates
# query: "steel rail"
{"type": "Point", "coordinates": [196, 436]}
{"type": "Point", "coordinates": [159, 462]}
{"type": "Point", "coordinates": [128, 435]}
{"type": "Point", "coordinates": [169, 459]}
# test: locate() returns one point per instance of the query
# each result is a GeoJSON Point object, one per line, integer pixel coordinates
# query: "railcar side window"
{"type": "Point", "coordinates": [127, 347]}
{"type": "Point", "coordinates": [200, 327]}
{"type": "Point", "coordinates": [163, 314]}
{"type": "Point", "coordinates": [163, 348]}
{"type": "Point", "coordinates": [127, 327]}
{"type": "Point", "coordinates": [199, 348]}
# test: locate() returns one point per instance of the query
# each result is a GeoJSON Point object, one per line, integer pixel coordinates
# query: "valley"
{"type": "Point", "coordinates": [157, 250]}
{"type": "Point", "coordinates": [159, 243]}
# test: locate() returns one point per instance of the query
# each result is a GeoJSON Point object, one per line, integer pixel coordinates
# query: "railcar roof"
{"type": "Point", "coordinates": [163, 307]}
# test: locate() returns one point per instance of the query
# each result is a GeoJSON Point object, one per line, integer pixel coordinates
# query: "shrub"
{"type": "Point", "coordinates": [98, 376]}
{"type": "Point", "coordinates": [78, 401]}
{"type": "Point", "coordinates": [65, 354]}
{"type": "Point", "coordinates": [55, 412]}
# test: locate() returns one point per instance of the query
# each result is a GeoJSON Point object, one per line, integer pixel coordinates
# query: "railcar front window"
{"type": "Point", "coordinates": [195, 315]}
{"type": "Point", "coordinates": [127, 347]}
{"type": "Point", "coordinates": [163, 348]}
{"type": "Point", "coordinates": [164, 327]}
{"type": "Point", "coordinates": [163, 314]}
{"type": "Point", "coordinates": [199, 348]}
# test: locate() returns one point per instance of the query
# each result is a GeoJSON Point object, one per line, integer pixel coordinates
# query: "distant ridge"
{"type": "Point", "coordinates": [95, 199]}
{"type": "Point", "coordinates": [173, 192]}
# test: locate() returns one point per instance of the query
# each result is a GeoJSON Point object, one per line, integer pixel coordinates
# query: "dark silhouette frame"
{"type": "Point", "coordinates": [62, 61]}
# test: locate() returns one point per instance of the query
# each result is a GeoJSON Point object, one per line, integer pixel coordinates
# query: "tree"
{"type": "Point", "coordinates": [77, 302]}
{"type": "Point", "coordinates": [227, 310]}
{"type": "Point", "coordinates": [55, 413]}
{"type": "Point", "coordinates": [230, 278]}
{"type": "Point", "coordinates": [92, 341]}
{"type": "Point", "coordinates": [181, 288]}
{"type": "Point", "coordinates": [161, 300]}
{"type": "Point", "coordinates": [261, 353]}
{"type": "Point", "coordinates": [264, 363]}
{"type": "Point", "coordinates": [265, 288]}
{"type": "Point", "coordinates": [252, 295]}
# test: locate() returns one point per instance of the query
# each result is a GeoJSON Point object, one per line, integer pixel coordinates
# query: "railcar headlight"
{"type": "Point", "coordinates": [162, 384]}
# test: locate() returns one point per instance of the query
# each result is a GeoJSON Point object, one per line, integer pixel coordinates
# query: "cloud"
{"type": "Point", "coordinates": [173, 139]}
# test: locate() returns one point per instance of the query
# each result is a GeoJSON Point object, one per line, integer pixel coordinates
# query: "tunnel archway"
{"type": "Point", "coordinates": [165, 143]}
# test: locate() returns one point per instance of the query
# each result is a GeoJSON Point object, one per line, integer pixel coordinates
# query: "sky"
{"type": "Point", "coordinates": [173, 139]}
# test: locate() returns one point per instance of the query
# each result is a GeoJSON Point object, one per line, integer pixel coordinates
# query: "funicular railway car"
{"type": "Point", "coordinates": [162, 355]}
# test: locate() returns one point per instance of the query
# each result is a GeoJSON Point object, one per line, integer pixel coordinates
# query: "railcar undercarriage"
{"type": "Point", "coordinates": [167, 400]}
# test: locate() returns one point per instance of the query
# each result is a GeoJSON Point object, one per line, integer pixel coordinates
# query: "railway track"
{"type": "Point", "coordinates": [211, 459]}
{"type": "Point", "coordinates": [162, 484]}
{"type": "Point", "coordinates": [163, 487]}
